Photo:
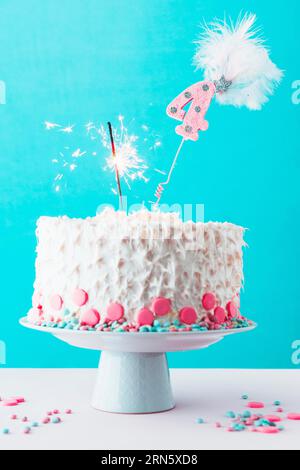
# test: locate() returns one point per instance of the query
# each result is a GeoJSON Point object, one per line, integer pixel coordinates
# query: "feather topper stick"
{"type": "Point", "coordinates": [237, 71]}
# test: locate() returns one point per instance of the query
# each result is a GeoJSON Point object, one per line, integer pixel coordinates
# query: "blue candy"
{"type": "Point", "coordinates": [145, 329]}
{"type": "Point", "coordinates": [200, 421]}
{"type": "Point", "coordinates": [230, 414]}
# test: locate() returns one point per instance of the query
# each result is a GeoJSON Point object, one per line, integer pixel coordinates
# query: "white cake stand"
{"type": "Point", "coordinates": [133, 374]}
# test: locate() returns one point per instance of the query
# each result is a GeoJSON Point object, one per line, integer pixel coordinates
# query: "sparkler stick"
{"type": "Point", "coordinates": [113, 149]}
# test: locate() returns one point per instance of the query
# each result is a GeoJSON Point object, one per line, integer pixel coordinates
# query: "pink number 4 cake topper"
{"type": "Point", "coordinates": [237, 71]}
{"type": "Point", "coordinates": [193, 120]}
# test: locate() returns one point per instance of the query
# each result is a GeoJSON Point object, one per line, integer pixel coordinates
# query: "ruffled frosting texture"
{"type": "Point", "coordinates": [132, 259]}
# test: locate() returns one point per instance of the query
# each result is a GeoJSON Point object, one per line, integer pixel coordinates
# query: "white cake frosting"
{"type": "Point", "coordinates": [133, 259]}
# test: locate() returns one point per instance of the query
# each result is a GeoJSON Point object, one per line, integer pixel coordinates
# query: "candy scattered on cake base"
{"type": "Point", "coordinates": [158, 326]}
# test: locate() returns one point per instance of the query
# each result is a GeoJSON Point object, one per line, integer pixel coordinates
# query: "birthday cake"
{"type": "Point", "coordinates": [146, 271]}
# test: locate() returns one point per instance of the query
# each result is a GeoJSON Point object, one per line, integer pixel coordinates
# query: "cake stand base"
{"type": "Point", "coordinates": [133, 374]}
{"type": "Point", "coordinates": [133, 383]}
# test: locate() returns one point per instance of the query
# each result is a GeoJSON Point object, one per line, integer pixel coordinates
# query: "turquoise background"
{"type": "Point", "coordinates": [72, 61]}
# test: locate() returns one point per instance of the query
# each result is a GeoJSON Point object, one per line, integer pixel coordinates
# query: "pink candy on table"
{"type": "Point", "coordinates": [208, 301]}
{"type": "Point", "coordinates": [255, 405]}
{"type": "Point", "coordinates": [90, 317]}
{"type": "Point", "coordinates": [55, 412]}
{"type": "Point", "coordinates": [145, 317]}
{"type": "Point", "coordinates": [273, 418]}
{"type": "Point", "coordinates": [69, 411]}
{"type": "Point", "coordinates": [188, 315]}
{"type": "Point", "coordinates": [293, 416]}
{"type": "Point", "coordinates": [10, 402]}
{"type": "Point", "coordinates": [80, 297]}
{"type": "Point", "coordinates": [18, 399]}
{"type": "Point", "coordinates": [267, 429]}
{"type": "Point", "coordinates": [46, 420]}
{"type": "Point", "coordinates": [14, 417]}
{"type": "Point", "coordinates": [56, 302]}
{"type": "Point", "coordinates": [161, 306]}
{"type": "Point", "coordinates": [115, 311]}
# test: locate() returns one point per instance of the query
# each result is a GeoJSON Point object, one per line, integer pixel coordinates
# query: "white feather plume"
{"type": "Point", "coordinates": [235, 52]}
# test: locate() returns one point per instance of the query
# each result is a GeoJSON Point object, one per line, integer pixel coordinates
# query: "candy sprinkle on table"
{"type": "Point", "coordinates": [200, 421]}
{"type": "Point", "coordinates": [293, 416]}
{"type": "Point", "coordinates": [56, 420]}
{"type": "Point", "coordinates": [255, 404]}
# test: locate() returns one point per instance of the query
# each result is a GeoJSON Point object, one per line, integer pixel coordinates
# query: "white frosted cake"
{"type": "Point", "coordinates": [136, 272]}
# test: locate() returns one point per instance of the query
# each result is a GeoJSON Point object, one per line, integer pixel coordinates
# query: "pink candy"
{"type": "Point", "coordinates": [255, 404]}
{"type": "Point", "coordinates": [188, 315]}
{"type": "Point", "coordinates": [115, 311]}
{"type": "Point", "coordinates": [80, 297]}
{"type": "Point", "coordinates": [220, 314]}
{"type": "Point", "coordinates": [90, 317]}
{"type": "Point", "coordinates": [208, 301]}
{"type": "Point", "coordinates": [11, 402]}
{"type": "Point", "coordinates": [273, 418]}
{"type": "Point", "coordinates": [231, 309]}
{"type": "Point", "coordinates": [267, 429]}
{"type": "Point", "coordinates": [56, 302]}
{"type": "Point", "coordinates": [19, 399]}
{"type": "Point", "coordinates": [46, 420]}
{"type": "Point", "coordinates": [294, 416]}
{"type": "Point", "coordinates": [145, 317]}
{"type": "Point", "coordinates": [161, 306]}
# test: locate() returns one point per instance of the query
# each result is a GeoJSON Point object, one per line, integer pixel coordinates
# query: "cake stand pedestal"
{"type": "Point", "coordinates": [133, 374]}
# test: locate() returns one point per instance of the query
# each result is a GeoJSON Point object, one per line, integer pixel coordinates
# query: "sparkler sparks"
{"type": "Point", "coordinates": [68, 130]}
{"type": "Point", "coordinates": [78, 153]}
{"type": "Point", "coordinates": [131, 166]}
{"type": "Point", "coordinates": [50, 125]}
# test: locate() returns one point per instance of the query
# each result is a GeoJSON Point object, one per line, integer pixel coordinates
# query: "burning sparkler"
{"type": "Point", "coordinates": [116, 162]}
{"type": "Point", "coordinates": [130, 165]}
{"type": "Point", "coordinates": [121, 146]}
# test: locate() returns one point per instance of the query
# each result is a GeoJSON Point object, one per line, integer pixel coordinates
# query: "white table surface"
{"type": "Point", "coordinates": [198, 393]}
